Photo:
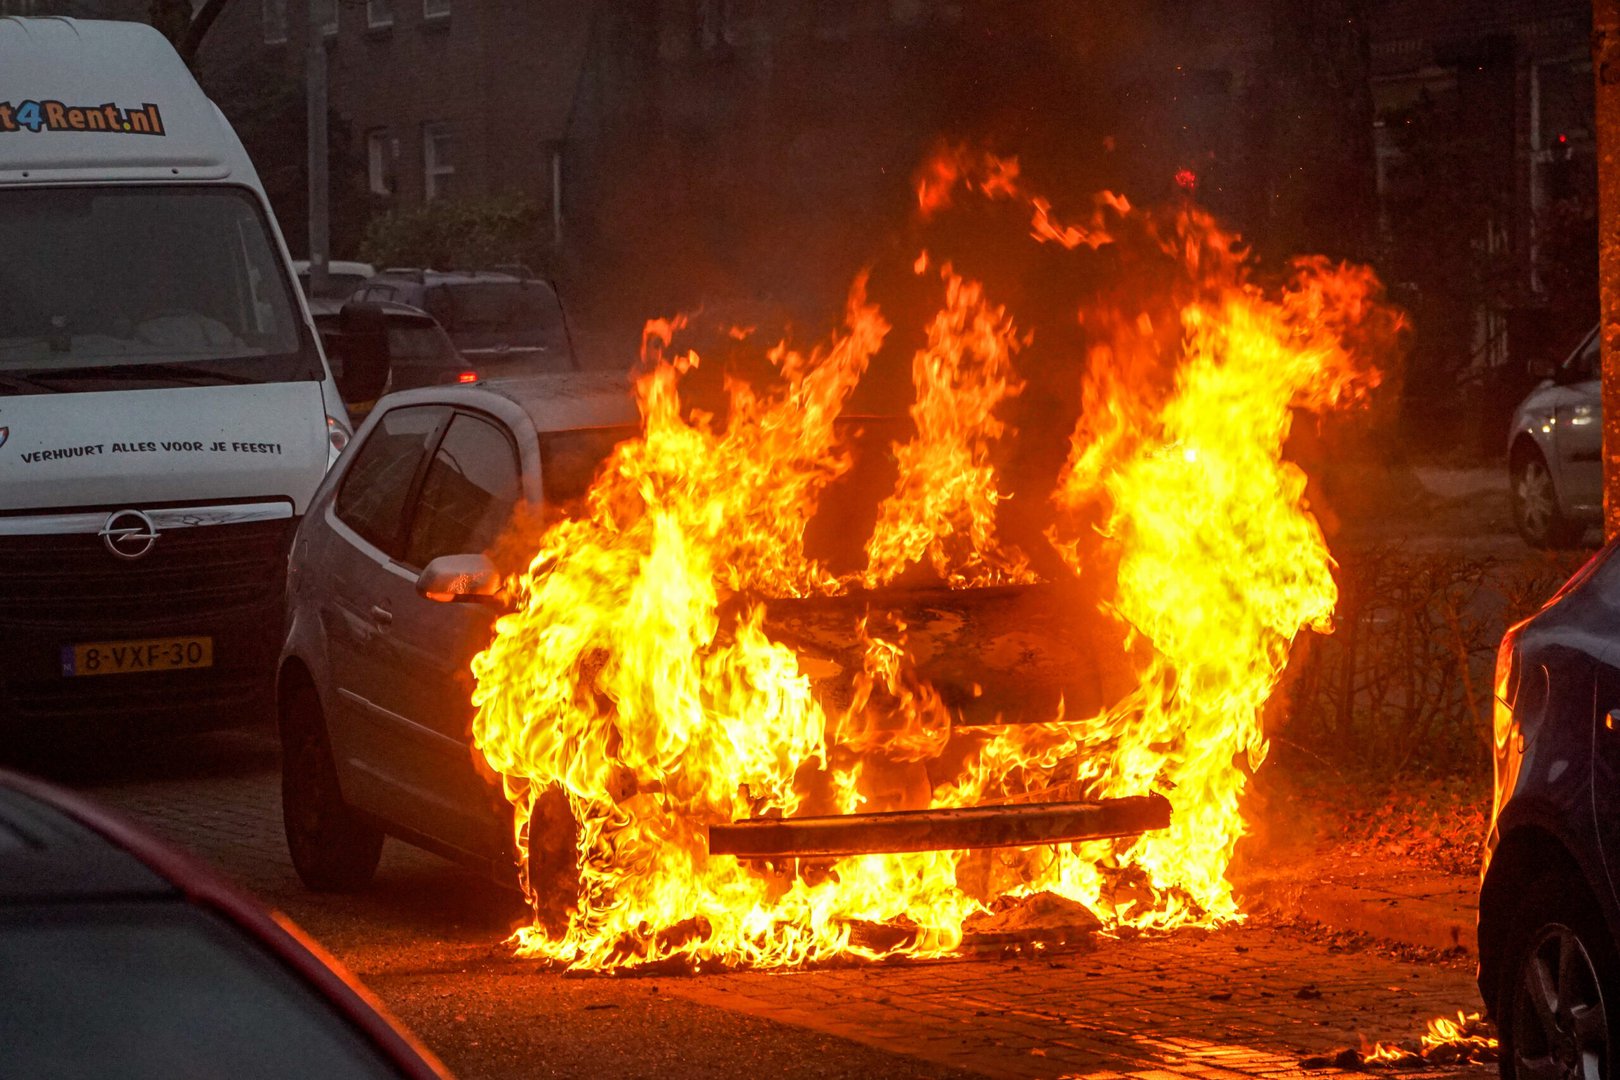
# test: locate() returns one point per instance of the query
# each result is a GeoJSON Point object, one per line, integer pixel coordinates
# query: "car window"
{"type": "Point", "coordinates": [468, 494]}
{"type": "Point", "coordinates": [489, 314]}
{"type": "Point", "coordinates": [421, 344]}
{"type": "Point", "coordinates": [377, 485]}
{"type": "Point", "coordinates": [569, 461]}
{"type": "Point", "coordinates": [158, 991]}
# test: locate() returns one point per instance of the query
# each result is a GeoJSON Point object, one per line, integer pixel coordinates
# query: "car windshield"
{"type": "Point", "coordinates": [159, 991]}
{"type": "Point", "coordinates": [143, 286]}
{"type": "Point", "coordinates": [491, 314]}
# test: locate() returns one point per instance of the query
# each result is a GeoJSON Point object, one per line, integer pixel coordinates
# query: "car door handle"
{"type": "Point", "coordinates": [381, 615]}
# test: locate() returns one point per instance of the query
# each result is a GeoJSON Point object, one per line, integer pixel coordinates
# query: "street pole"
{"type": "Point", "coordinates": [319, 186]}
{"type": "Point", "coordinates": [1606, 72]}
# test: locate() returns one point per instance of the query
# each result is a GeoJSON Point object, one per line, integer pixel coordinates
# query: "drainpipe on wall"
{"type": "Point", "coordinates": [556, 197]}
{"type": "Point", "coordinates": [319, 187]}
{"type": "Point", "coordinates": [1606, 73]}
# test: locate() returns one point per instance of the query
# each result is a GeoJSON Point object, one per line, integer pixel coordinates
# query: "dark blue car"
{"type": "Point", "coordinates": [1549, 970]}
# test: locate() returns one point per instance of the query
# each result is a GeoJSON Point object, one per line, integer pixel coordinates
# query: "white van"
{"type": "Point", "coordinates": [165, 408]}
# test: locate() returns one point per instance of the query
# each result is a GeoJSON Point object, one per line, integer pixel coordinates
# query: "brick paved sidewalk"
{"type": "Point", "coordinates": [1250, 1001]}
{"type": "Point", "coordinates": [1242, 1002]}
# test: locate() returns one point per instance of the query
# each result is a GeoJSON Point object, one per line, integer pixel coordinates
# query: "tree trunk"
{"type": "Point", "coordinates": [1606, 70]}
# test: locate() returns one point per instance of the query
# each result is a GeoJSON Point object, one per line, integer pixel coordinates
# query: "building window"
{"type": "Point", "coordinates": [438, 162]}
{"type": "Point", "coordinates": [325, 13]}
{"type": "Point", "coordinates": [433, 10]}
{"type": "Point", "coordinates": [379, 175]}
{"type": "Point", "coordinates": [275, 21]}
{"type": "Point", "coordinates": [379, 14]}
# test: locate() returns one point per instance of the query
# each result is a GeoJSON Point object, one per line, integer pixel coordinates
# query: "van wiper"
{"type": "Point", "coordinates": [198, 376]}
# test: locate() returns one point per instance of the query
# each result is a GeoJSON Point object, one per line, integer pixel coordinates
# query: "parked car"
{"type": "Point", "coordinates": [391, 593]}
{"type": "Point", "coordinates": [342, 278]}
{"type": "Point", "coordinates": [1549, 915]}
{"type": "Point", "coordinates": [121, 958]}
{"type": "Point", "coordinates": [1555, 452]}
{"type": "Point", "coordinates": [420, 353]}
{"type": "Point", "coordinates": [495, 319]}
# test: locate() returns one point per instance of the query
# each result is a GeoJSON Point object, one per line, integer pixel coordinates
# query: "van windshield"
{"type": "Point", "coordinates": [142, 287]}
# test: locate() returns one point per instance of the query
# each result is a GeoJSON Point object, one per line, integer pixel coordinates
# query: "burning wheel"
{"type": "Point", "coordinates": [1536, 513]}
{"type": "Point", "coordinates": [333, 848]}
{"type": "Point", "coordinates": [1555, 1021]}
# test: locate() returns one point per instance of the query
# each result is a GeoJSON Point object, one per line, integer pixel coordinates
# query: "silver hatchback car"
{"type": "Point", "coordinates": [1555, 452]}
{"type": "Point", "coordinates": [392, 590]}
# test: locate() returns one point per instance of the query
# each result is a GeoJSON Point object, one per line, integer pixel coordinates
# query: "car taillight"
{"type": "Point", "coordinates": [467, 377]}
{"type": "Point", "coordinates": [337, 434]}
{"type": "Point", "coordinates": [1507, 688]}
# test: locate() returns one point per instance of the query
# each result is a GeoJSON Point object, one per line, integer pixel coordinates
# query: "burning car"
{"type": "Point", "coordinates": [782, 683]}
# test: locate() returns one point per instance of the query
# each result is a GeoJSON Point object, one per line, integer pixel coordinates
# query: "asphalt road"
{"type": "Point", "coordinates": [427, 939]}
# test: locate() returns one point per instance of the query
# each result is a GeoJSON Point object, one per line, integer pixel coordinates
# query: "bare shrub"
{"type": "Point", "coordinates": [1404, 684]}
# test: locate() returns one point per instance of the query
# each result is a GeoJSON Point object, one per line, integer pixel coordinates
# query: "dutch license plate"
{"type": "Point", "coordinates": [129, 657]}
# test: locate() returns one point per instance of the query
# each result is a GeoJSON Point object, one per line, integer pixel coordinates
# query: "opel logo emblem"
{"type": "Point", "coordinates": [129, 534]}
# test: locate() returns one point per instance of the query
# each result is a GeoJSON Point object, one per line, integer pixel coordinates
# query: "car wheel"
{"type": "Point", "coordinates": [334, 848]}
{"type": "Point", "coordinates": [1556, 1007]}
{"type": "Point", "coordinates": [1535, 504]}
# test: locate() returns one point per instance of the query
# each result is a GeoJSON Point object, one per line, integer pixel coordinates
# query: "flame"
{"type": "Point", "coordinates": [944, 505]}
{"type": "Point", "coordinates": [638, 693]}
{"type": "Point", "coordinates": [1466, 1039]}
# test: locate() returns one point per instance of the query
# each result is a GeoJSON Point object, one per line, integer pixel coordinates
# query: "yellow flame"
{"type": "Point", "coordinates": [944, 504]}
{"type": "Point", "coordinates": [639, 684]}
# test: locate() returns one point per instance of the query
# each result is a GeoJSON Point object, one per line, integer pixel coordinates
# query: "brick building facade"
{"type": "Point", "coordinates": [437, 97]}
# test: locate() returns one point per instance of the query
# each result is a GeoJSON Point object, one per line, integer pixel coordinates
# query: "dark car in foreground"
{"type": "Point", "coordinates": [120, 958]}
{"type": "Point", "coordinates": [1549, 969]}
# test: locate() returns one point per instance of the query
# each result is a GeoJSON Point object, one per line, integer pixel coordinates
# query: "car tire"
{"type": "Point", "coordinates": [1534, 497]}
{"type": "Point", "coordinates": [1557, 1003]}
{"type": "Point", "coordinates": [334, 848]}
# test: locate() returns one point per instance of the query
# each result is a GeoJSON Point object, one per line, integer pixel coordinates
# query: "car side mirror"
{"type": "Point", "coordinates": [361, 341]}
{"type": "Point", "coordinates": [1542, 368]}
{"type": "Point", "coordinates": [452, 578]}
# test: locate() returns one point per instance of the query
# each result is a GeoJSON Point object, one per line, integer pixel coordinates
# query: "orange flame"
{"type": "Point", "coordinates": [639, 683]}
{"type": "Point", "coordinates": [944, 506]}
{"type": "Point", "coordinates": [1465, 1039]}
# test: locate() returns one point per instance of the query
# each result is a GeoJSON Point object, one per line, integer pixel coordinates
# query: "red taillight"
{"type": "Point", "coordinates": [467, 377]}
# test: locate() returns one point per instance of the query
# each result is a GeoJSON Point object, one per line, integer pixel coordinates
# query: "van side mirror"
{"type": "Point", "coordinates": [452, 578]}
{"type": "Point", "coordinates": [361, 341]}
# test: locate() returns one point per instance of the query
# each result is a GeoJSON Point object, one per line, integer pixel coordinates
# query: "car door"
{"type": "Point", "coordinates": [1578, 429]}
{"type": "Point", "coordinates": [365, 538]}
{"type": "Point", "coordinates": [462, 506]}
